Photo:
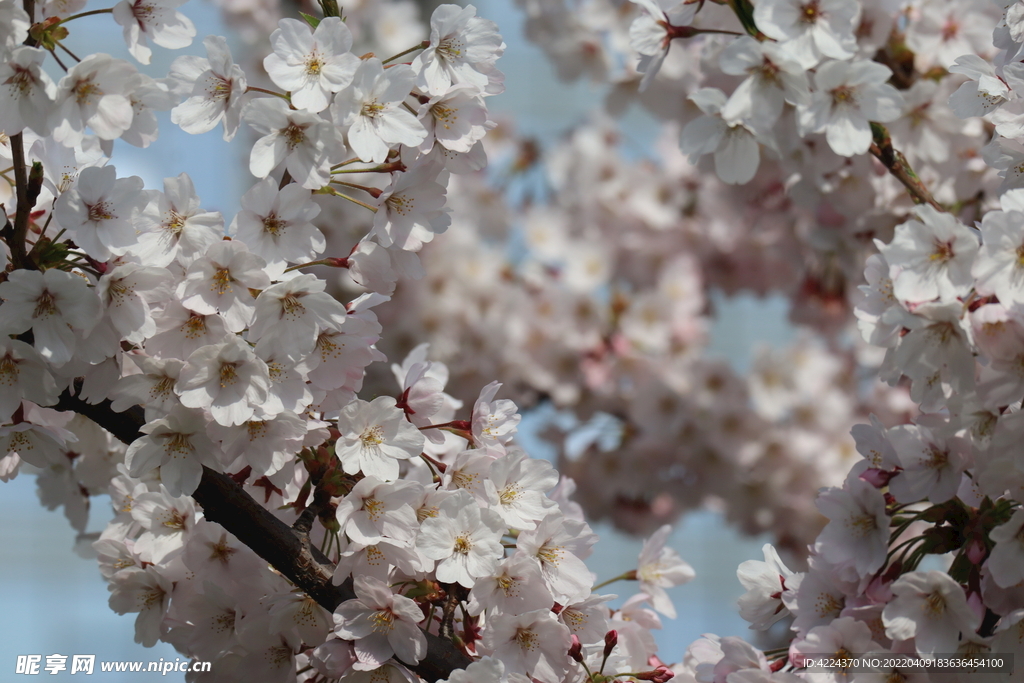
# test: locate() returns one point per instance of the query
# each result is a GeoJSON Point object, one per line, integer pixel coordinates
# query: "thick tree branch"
{"type": "Point", "coordinates": [226, 503]}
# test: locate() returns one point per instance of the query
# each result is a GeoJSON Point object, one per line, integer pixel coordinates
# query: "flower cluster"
{"type": "Point", "coordinates": [210, 339]}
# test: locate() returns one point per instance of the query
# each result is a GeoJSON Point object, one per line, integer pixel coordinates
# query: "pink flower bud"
{"type": "Point", "coordinates": [576, 650]}
{"type": "Point", "coordinates": [660, 675]}
{"type": "Point", "coordinates": [611, 639]}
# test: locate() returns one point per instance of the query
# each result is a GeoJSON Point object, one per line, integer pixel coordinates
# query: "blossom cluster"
{"type": "Point", "coordinates": [236, 361]}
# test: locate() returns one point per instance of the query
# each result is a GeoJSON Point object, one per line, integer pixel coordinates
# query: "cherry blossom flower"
{"type": "Point", "coordinates": [810, 29]}
{"type": "Point", "coordinates": [934, 254]}
{"type": "Point", "coordinates": [463, 49]}
{"type": "Point", "coordinates": [375, 510]}
{"type": "Point", "coordinates": [515, 488]}
{"type": "Point", "coordinates": [765, 582]}
{"type": "Point", "coordinates": [411, 209]}
{"type": "Point", "coordinates": [649, 33]}
{"type": "Point", "coordinates": [857, 535]}
{"type": "Point", "coordinates": [371, 114]}
{"type": "Point", "coordinates": [99, 211]}
{"type": "Point", "coordinates": [23, 375]}
{"type": "Point", "coordinates": [213, 87]}
{"type": "Point", "coordinates": [514, 587]}
{"type": "Point", "coordinates": [219, 282]}
{"type": "Point", "coordinates": [1004, 562]}
{"type": "Point", "coordinates": [178, 445]}
{"type": "Point", "coordinates": [277, 225]}
{"type": "Point", "coordinates": [532, 643]}
{"type": "Point", "coordinates": [172, 227]}
{"type": "Point", "coordinates": [289, 314]}
{"type": "Point", "coordinates": [455, 119]}
{"type": "Point", "coordinates": [53, 304]}
{"type": "Point", "coordinates": [306, 143]}
{"type": "Point", "coordinates": [773, 78]}
{"type": "Point", "coordinates": [736, 150]}
{"type": "Point", "coordinates": [847, 96]}
{"type": "Point", "coordinates": [659, 568]}
{"type": "Point", "coordinates": [26, 100]}
{"type": "Point", "coordinates": [227, 379]}
{"type": "Point", "coordinates": [311, 64]}
{"type": "Point", "coordinates": [931, 608]}
{"type": "Point", "coordinates": [375, 436]}
{"type": "Point", "coordinates": [381, 624]}
{"type": "Point", "coordinates": [464, 538]}
{"type": "Point", "coordinates": [156, 20]}
{"type": "Point", "coordinates": [93, 93]}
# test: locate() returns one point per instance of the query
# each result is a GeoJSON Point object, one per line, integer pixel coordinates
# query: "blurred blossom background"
{"type": "Point", "coordinates": [53, 600]}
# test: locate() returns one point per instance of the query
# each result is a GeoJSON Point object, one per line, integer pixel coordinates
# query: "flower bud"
{"type": "Point", "coordinates": [660, 675]}
{"type": "Point", "coordinates": [576, 650]}
{"type": "Point", "coordinates": [611, 639]}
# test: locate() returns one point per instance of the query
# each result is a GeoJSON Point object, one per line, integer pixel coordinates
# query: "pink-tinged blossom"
{"type": "Point", "coordinates": [857, 535]}
{"type": "Point", "coordinates": [982, 93]}
{"type": "Point", "coordinates": [26, 92]}
{"type": "Point", "coordinates": [36, 445]}
{"type": "Point", "coordinates": [494, 421]}
{"type": "Point", "coordinates": [153, 20]}
{"type": "Point", "coordinates": [375, 436]}
{"type": "Point", "coordinates": [533, 643]}
{"type": "Point", "coordinates": [659, 568]}
{"type": "Point", "coordinates": [847, 96]}
{"type": "Point", "coordinates": [146, 592]}
{"type": "Point", "coordinates": [735, 146]}
{"type": "Point", "coordinates": [649, 33]}
{"type": "Point", "coordinates": [266, 444]}
{"type": "Point", "coordinates": [173, 227]}
{"type": "Point", "coordinates": [370, 111]}
{"type": "Point", "coordinates": [23, 375]}
{"type": "Point", "coordinates": [178, 445]}
{"type": "Point", "coordinates": [560, 545]}
{"type": "Point", "coordinates": [179, 332]}
{"type": "Point", "coordinates": [381, 624]}
{"type": "Point", "coordinates": [514, 587]}
{"type": "Point", "coordinates": [932, 464]}
{"type": "Point", "coordinates": [375, 510]}
{"type": "Point", "coordinates": [464, 538]}
{"type": "Point", "coordinates": [765, 582]}
{"type": "Point", "coordinates": [290, 314]}
{"type": "Point", "coordinates": [463, 49]}
{"type": "Point", "coordinates": [276, 224]}
{"type": "Point", "coordinates": [128, 294]}
{"type": "Point", "coordinates": [94, 93]}
{"type": "Point", "coordinates": [456, 119]}
{"type": "Point", "coordinates": [53, 304]}
{"type": "Point", "coordinates": [839, 639]}
{"type": "Point", "coordinates": [411, 209]}
{"type": "Point", "coordinates": [773, 78]}
{"type": "Point", "coordinates": [998, 267]}
{"type": "Point", "coordinates": [227, 379]}
{"type": "Point", "coordinates": [147, 97]}
{"type": "Point", "coordinates": [152, 387]}
{"type": "Point", "coordinates": [311, 64]}
{"type": "Point", "coordinates": [931, 608]}
{"type": "Point", "coordinates": [931, 256]}
{"type": "Point", "coordinates": [1006, 561]}
{"type": "Point", "coordinates": [213, 88]}
{"type": "Point", "coordinates": [99, 211]}
{"type": "Point", "coordinates": [306, 143]}
{"type": "Point", "coordinates": [167, 521]}
{"type": "Point", "coordinates": [516, 488]}
{"type": "Point", "coordinates": [220, 280]}
{"type": "Point", "coordinates": [810, 29]}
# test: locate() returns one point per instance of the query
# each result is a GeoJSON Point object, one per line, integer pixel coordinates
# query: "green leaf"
{"type": "Point", "coordinates": [310, 19]}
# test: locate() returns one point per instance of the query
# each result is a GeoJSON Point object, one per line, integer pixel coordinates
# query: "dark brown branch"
{"type": "Point", "coordinates": [899, 167]}
{"type": "Point", "coordinates": [225, 502]}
